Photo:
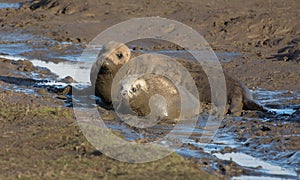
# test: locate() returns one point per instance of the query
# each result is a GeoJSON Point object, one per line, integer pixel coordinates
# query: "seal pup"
{"type": "Point", "coordinates": [112, 56]}
{"type": "Point", "coordinates": [150, 95]}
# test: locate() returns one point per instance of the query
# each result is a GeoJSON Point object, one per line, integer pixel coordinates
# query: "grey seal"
{"type": "Point", "coordinates": [151, 95]}
{"type": "Point", "coordinates": [112, 56]}
{"type": "Point", "coordinates": [238, 96]}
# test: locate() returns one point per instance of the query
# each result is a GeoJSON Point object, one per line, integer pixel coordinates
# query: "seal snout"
{"type": "Point", "coordinates": [107, 61]}
{"type": "Point", "coordinates": [124, 93]}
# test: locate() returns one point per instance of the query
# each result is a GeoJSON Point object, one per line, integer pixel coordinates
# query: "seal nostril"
{"type": "Point", "coordinates": [105, 63]}
{"type": "Point", "coordinates": [124, 93]}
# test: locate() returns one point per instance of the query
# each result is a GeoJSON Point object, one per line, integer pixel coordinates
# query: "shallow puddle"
{"type": "Point", "coordinates": [280, 101]}
{"type": "Point", "coordinates": [262, 166]}
{"type": "Point", "coordinates": [64, 69]}
{"type": "Point", "coordinates": [29, 46]}
{"type": "Point", "coordinates": [10, 5]}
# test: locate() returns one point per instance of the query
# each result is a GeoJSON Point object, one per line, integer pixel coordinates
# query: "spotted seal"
{"type": "Point", "coordinates": [151, 95]}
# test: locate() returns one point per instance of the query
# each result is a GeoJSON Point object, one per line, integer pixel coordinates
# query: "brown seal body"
{"type": "Point", "coordinates": [111, 58]}
{"type": "Point", "coordinates": [237, 94]}
{"type": "Point", "coordinates": [238, 97]}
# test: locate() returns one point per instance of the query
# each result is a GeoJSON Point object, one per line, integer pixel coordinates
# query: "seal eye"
{"type": "Point", "coordinates": [119, 55]}
{"type": "Point", "coordinates": [133, 89]}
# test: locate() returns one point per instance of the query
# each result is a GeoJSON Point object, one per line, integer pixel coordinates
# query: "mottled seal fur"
{"type": "Point", "coordinates": [151, 95]}
{"type": "Point", "coordinates": [237, 94]}
{"type": "Point", "coordinates": [112, 56]}
{"type": "Point", "coordinates": [115, 55]}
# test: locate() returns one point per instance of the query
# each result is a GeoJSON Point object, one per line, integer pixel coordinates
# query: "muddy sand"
{"type": "Point", "coordinates": [257, 42]}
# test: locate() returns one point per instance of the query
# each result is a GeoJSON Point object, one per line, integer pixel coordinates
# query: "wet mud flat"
{"type": "Point", "coordinates": [39, 139]}
{"type": "Point", "coordinates": [39, 49]}
{"type": "Point", "coordinates": [256, 145]}
{"type": "Point", "coordinates": [39, 133]}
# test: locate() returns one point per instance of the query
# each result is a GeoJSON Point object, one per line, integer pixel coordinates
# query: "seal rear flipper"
{"type": "Point", "coordinates": [252, 105]}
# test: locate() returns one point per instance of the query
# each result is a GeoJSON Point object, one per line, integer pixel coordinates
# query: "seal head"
{"type": "Point", "coordinates": [112, 56]}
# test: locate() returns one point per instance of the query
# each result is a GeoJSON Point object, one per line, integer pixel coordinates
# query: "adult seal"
{"type": "Point", "coordinates": [238, 97]}
{"type": "Point", "coordinates": [111, 58]}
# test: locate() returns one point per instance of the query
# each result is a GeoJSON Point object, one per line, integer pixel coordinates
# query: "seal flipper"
{"type": "Point", "coordinates": [250, 104]}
